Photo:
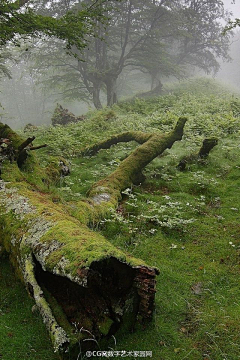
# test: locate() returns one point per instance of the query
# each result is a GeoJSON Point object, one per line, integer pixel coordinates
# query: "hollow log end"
{"type": "Point", "coordinates": [113, 296]}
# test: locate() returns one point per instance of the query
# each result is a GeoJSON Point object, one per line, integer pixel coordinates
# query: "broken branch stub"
{"type": "Point", "coordinates": [17, 148]}
{"type": "Point", "coordinates": [207, 145]}
{"type": "Point", "coordinates": [25, 143]}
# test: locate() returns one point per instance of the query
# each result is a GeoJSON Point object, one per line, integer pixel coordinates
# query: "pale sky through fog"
{"type": "Point", "coordinates": [230, 71]}
{"type": "Point", "coordinates": [234, 8]}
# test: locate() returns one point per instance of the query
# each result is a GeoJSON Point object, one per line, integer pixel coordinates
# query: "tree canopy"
{"type": "Point", "coordinates": [158, 38]}
{"type": "Point", "coordinates": [19, 20]}
{"type": "Point", "coordinates": [109, 39]}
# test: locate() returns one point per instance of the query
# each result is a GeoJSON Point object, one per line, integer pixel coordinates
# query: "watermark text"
{"type": "Point", "coordinates": [121, 354]}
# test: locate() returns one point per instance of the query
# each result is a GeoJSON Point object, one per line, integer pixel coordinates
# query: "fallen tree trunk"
{"type": "Point", "coordinates": [84, 287]}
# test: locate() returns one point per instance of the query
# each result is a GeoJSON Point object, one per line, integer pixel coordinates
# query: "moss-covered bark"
{"type": "Point", "coordinates": [138, 136]}
{"type": "Point", "coordinates": [81, 283]}
{"type": "Point", "coordinates": [108, 190]}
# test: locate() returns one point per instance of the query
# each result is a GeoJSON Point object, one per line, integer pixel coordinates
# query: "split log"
{"type": "Point", "coordinates": [84, 287]}
{"type": "Point", "coordinates": [207, 146]}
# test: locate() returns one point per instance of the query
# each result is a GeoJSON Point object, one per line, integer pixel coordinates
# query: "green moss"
{"type": "Point", "coordinates": [22, 332]}
{"type": "Point", "coordinates": [137, 136]}
{"type": "Point", "coordinates": [60, 316]}
{"type": "Point", "coordinates": [105, 325]}
{"type": "Point", "coordinates": [11, 172]}
{"type": "Point", "coordinates": [130, 169]}
{"type": "Point", "coordinates": [80, 247]}
{"type": "Point", "coordinates": [8, 133]}
{"type": "Point", "coordinates": [54, 170]}
{"type": "Point", "coordinates": [57, 334]}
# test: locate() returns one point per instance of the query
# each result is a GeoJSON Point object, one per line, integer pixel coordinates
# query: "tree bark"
{"type": "Point", "coordinates": [207, 146]}
{"type": "Point", "coordinates": [83, 286]}
{"type": "Point", "coordinates": [110, 83]}
{"type": "Point", "coordinates": [155, 91]}
{"type": "Point", "coordinates": [96, 96]}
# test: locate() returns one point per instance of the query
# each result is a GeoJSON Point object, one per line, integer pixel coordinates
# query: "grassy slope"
{"type": "Point", "coordinates": [23, 336]}
{"type": "Point", "coordinates": [187, 224]}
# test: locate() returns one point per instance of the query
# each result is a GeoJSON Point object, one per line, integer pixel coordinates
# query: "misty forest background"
{"type": "Point", "coordinates": [143, 45]}
{"type": "Point", "coordinates": [140, 65]}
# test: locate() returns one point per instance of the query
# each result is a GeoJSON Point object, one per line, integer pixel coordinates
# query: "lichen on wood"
{"type": "Point", "coordinates": [78, 279]}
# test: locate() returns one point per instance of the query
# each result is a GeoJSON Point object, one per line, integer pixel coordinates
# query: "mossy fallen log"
{"type": "Point", "coordinates": [207, 145]}
{"type": "Point", "coordinates": [94, 284]}
{"type": "Point", "coordinates": [130, 170]}
{"type": "Point", "coordinates": [84, 287]}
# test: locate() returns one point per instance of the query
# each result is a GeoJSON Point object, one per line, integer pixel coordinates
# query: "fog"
{"type": "Point", "coordinates": [234, 7]}
{"type": "Point", "coordinates": [111, 70]}
{"type": "Point", "coordinates": [229, 72]}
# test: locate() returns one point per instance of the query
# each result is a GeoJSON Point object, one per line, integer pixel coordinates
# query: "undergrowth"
{"type": "Point", "coordinates": [185, 223]}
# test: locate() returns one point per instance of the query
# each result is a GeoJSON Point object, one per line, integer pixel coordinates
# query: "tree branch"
{"type": "Point", "coordinates": [38, 147]}
{"type": "Point", "coordinates": [26, 143]}
{"type": "Point", "coordinates": [137, 136]}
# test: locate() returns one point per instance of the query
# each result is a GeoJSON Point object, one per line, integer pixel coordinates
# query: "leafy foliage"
{"type": "Point", "coordinates": [156, 38]}
{"type": "Point", "coordinates": [72, 27]}
{"type": "Point", "coordinates": [232, 25]}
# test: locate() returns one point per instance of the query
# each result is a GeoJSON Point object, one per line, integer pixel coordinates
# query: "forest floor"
{"type": "Point", "coordinates": [185, 223]}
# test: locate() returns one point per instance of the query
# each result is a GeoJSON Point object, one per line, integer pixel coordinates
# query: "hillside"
{"type": "Point", "coordinates": [184, 223]}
